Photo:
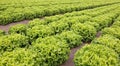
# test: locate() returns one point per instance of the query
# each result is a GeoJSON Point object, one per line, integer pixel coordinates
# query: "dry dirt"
{"type": "Point", "coordinates": [6, 27]}
{"type": "Point", "coordinates": [70, 62]}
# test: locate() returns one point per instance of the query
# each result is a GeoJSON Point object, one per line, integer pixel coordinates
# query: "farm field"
{"type": "Point", "coordinates": [60, 33]}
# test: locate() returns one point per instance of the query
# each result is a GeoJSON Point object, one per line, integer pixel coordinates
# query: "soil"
{"type": "Point", "coordinates": [6, 27]}
{"type": "Point", "coordinates": [70, 62]}
{"type": "Point", "coordinates": [98, 34]}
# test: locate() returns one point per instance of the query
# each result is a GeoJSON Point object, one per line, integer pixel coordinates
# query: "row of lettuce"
{"type": "Point", "coordinates": [10, 13]}
{"type": "Point", "coordinates": [104, 50]}
{"type": "Point", "coordinates": [47, 42]}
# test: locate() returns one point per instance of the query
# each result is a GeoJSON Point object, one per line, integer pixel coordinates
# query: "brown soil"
{"type": "Point", "coordinates": [6, 27]}
{"type": "Point", "coordinates": [98, 34]}
{"type": "Point", "coordinates": [70, 62]}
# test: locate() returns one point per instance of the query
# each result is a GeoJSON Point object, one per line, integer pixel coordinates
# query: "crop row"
{"type": "Point", "coordinates": [104, 50]}
{"type": "Point", "coordinates": [10, 14]}
{"type": "Point", "coordinates": [57, 24]}
{"type": "Point", "coordinates": [47, 42]}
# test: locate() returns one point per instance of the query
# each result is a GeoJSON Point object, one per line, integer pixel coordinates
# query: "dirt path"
{"type": "Point", "coordinates": [70, 62]}
{"type": "Point", "coordinates": [6, 27]}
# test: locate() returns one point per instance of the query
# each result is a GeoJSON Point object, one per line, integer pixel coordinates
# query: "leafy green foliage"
{"type": "Point", "coordinates": [35, 22]}
{"type": "Point", "coordinates": [51, 51]}
{"type": "Point", "coordinates": [74, 19]}
{"type": "Point", "coordinates": [39, 31]}
{"type": "Point", "coordinates": [2, 32]}
{"type": "Point", "coordinates": [29, 13]}
{"type": "Point", "coordinates": [81, 18]}
{"type": "Point", "coordinates": [108, 41]}
{"type": "Point", "coordinates": [10, 42]}
{"type": "Point", "coordinates": [87, 32]}
{"type": "Point", "coordinates": [51, 54]}
{"type": "Point", "coordinates": [116, 24]}
{"type": "Point", "coordinates": [49, 40]}
{"type": "Point", "coordinates": [72, 39]}
{"type": "Point", "coordinates": [59, 26]}
{"type": "Point", "coordinates": [5, 19]}
{"type": "Point", "coordinates": [96, 25]}
{"type": "Point", "coordinates": [17, 17]}
{"type": "Point", "coordinates": [19, 57]}
{"type": "Point", "coordinates": [30, 9]}
{"type": "Point", "coordinates": [19, 29]}
{"type": "Point", "coordinates": [118, 18]}
{"type": "Point", "coordinates": [68, 37]}
{"type": "Point", "coordinates": [104, 21]}
{"type": "Point", "coordinates": [53, 18]}
{"type": "Point", "coordinates": [69, 20]}
{"type": "Point", "coordinates": [112, 31]}
{"type": "Point", "coordinates": [96, 55]}
{"type": "Point", "coordinates": [48, 12]}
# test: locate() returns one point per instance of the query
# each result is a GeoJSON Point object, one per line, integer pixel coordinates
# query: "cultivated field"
{"type": "Point", "coordinates": [60, 33]}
